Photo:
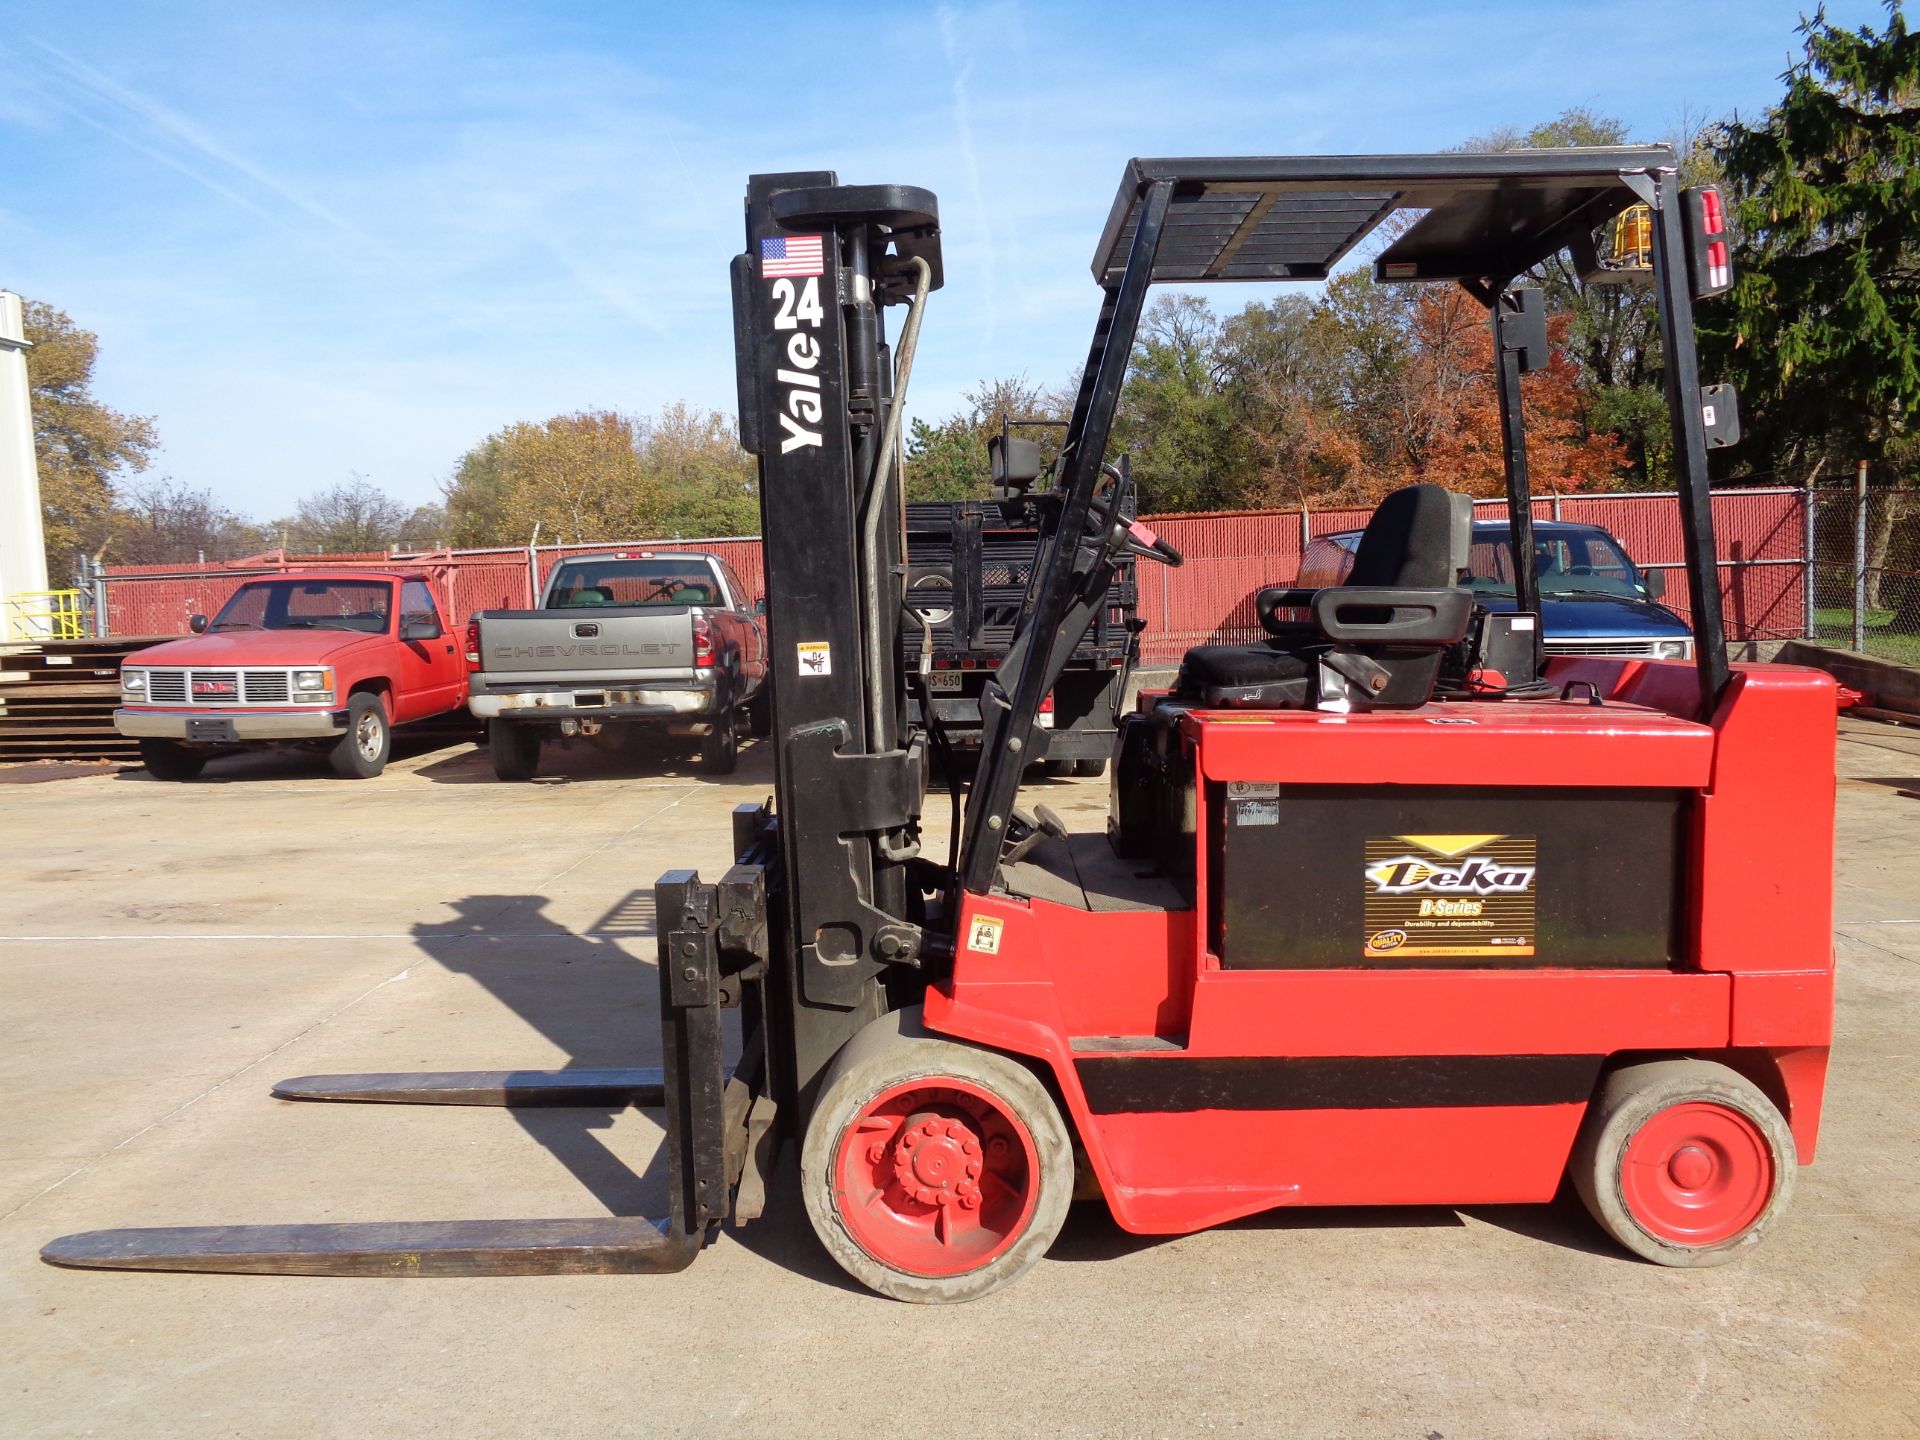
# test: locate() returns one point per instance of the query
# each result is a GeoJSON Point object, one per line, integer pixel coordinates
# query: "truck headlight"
{"type": "Point", "coordinates": [134, 682]}
{"type": "Point", "coordinates": [1671, 650]}
{"type": "Point", "coordinates": [307, 681]}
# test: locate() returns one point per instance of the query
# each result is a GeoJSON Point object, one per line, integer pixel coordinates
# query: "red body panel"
{"type": "Point", "coordinates": [1065, 986]}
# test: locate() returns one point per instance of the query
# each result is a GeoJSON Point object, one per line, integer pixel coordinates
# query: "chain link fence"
{"type": "Point", "coordinates": [1840, 566]}
{"type": "Point", "coordinates": [1863, 549]}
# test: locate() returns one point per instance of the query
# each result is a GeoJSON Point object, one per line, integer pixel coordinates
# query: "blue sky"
{"type": "Point", "coordinates": [331, 238]}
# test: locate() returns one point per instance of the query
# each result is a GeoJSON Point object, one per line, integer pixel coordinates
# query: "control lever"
{"type": "Point", "coordinates": [1027, 831]}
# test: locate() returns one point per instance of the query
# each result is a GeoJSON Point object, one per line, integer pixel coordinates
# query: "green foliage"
{"type": "Point", "coordinates": [949, 461]}
{"type": "Point", "coordinates": [82, 447]}
{"type": "Point", "coordinates": [1822, 329]}
{"type": "Point", "coordinates": [1177, 413]}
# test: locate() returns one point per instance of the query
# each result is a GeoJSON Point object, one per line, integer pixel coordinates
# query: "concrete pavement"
{"type": "Point", "coordinates": [167, 951]}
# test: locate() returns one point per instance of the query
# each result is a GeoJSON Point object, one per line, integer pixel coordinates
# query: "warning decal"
{"type": "Point", "coordinates": [1450, 896]}
{"type": "Point", "coordinates": [815, 657]}
{"type": "Point", "coordinates": [984, 934]}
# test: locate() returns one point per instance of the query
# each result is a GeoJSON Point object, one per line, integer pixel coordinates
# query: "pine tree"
{"type": "Point", "coordinates": [1822, 329]}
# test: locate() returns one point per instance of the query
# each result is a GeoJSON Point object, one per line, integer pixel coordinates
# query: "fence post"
{"type": "Point", "coordinates": [98, 586]}
{"type": "Point", "coordinates": [1808, 621]}
{"type": "Point", "coordinates": [1860, 558]}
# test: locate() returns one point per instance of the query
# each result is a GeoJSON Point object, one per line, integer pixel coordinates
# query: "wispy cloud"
{"type": "Point", "coordinates": [158, 118]}
{"type": "Point", "coordinates": [960, 67]}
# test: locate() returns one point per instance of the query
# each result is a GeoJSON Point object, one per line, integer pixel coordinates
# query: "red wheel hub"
{"type": "Point", "coordinates": [936, 1178]}
{"type": "Point", "coordinates": [1697, 1174]}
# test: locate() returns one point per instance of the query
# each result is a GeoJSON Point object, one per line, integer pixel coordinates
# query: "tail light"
{"type": "Point", "coordinates": [473, 643]}
{"type": "Point", "coordinates": [1045, 717]}
{"type": "Point", "coordinates": [1709, 247]}
{"type": "Point", "coordinates": [702, 642]}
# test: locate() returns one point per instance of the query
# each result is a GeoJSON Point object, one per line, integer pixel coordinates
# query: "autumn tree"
{"type": "Point", "coordinates": [83, 448]}
{"type": "Point", "coordinates": [165, 522]}
{"type": "Point", "coordinates": [355, 517]}
{"type": "Point", "coordinates": [576, 477]}
{"type": "Point", "coordinates": [708, 485]}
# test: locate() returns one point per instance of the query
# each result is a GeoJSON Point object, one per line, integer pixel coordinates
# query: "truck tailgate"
{"type": "Point", "coordinates": [592, 646]}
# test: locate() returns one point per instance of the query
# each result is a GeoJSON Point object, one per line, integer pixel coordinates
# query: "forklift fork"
{"type": "Point", "coordinates": [719, 1135]}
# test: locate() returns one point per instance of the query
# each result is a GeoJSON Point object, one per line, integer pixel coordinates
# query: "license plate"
{"type": "Point", "coordinates": [203, 728]}
{"type": "Point", "coordinates": [944, 681]}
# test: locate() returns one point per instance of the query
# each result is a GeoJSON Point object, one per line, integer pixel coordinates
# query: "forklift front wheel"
{"type": "Point", "coordinates": [1684, 1162]}
{"type": "Point", "coordinates": [934, 1172]}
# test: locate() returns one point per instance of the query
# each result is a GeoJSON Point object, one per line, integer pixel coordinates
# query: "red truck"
{"type": "Point", "coordinates": [330, 659]}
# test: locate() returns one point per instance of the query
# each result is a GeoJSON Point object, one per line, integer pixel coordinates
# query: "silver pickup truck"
{"type": "Point", "coordinates": [627, 639]}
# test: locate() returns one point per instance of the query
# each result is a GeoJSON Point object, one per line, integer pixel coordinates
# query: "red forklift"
{"type": "Point", "coordinates": [1390, 909]}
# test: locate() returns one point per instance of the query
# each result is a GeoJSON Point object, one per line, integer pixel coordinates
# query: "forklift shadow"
{"type": "Point", "coordinates": [1092, 1234]}
{"type": "Point", "coordinates": [592, 997]}
{"type": "Point", "coordinates": [587, 996]}
{"type": "Point", "coordinates": [645, 756]}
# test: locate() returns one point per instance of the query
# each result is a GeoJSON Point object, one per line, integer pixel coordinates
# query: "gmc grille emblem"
{"type": "Point", "coordinates": [214, 687]}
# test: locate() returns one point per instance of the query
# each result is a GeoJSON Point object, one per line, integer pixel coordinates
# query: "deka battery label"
{"type": "Point", "coordinates": [1450, 896]}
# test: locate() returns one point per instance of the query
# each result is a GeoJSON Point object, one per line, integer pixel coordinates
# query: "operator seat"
{"type": "Point", "coordinates": [1375, 640]}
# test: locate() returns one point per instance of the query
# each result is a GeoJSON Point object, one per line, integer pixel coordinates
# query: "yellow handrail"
{"type": "Point", "coordinates": [46, 615]}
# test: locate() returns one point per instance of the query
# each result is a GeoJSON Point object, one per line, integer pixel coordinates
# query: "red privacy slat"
{"type": "Point", "coordinates": [1230, 555]}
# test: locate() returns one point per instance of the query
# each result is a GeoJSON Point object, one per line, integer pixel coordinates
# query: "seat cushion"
{"type": "Point", "coordinates": [1238, 666]}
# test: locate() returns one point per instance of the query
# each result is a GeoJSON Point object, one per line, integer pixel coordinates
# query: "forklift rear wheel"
{"type": "Point", "coordinates": [166, 760]}
{"type": "Point", "coordinates": [1684, 1162]}
{"type": "Point", "coordinates": [720, 747]}
{"type": "Point", "coordinates": [513, 748]}
{"type": "Point", "coordinates": [934, 1172]}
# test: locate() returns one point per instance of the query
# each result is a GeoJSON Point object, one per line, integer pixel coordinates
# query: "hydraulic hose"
{"type": "Point", "coordinates": [872, 515]}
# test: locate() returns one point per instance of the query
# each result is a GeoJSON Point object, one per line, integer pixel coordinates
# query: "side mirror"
{"type": "Point", "coordinates": [197, 624]}
{"type": "Point", "coordinates": [1014, 463]}
{"type": "Point", "coordinates": [420, 630]}
{"type": "Point", "coordinates": [1654, 582]}
{"type": "Point", "coordinates": [760, 606]}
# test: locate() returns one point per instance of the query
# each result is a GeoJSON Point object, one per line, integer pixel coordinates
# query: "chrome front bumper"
{"type": "Point", "coordinates": [247, 724]}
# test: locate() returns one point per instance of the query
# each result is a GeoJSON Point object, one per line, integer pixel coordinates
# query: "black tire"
{"type": "Point", "coordinates": [720, 748]}
{"type": "Point", "coordinates": [514, 749]}
{"type": "Point", "coordinates": [893, 1054]}
{"type": "Point", "coordinates": [361, 753]}
{"type": "Point", "coordinates": [1091, 766]}
{"type": "Point", "coordinates": [760, 711]}
{"type": "Point", "coordinates": [168, 760]}
{"type": "Point", "coordinates": [1656, 1208]}
{"type": "Point", "coordinates": [1057, 769]}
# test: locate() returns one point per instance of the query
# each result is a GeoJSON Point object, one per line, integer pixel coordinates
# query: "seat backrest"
{"type": "Point", "coordinates": [591, 595]}
{"type": "Point", "coordinates": [1419, 537]}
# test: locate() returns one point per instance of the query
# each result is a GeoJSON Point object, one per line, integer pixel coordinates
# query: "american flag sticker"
{"type": "Point", "coordinates": [790, 255]}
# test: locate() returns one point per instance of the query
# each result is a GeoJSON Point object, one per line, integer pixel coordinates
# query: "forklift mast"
{"type": "Point", "coordinates": [823, 261]}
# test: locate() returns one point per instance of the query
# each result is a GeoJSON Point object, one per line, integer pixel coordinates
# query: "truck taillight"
{"type": "Point", "coordinates": [1045, 718]}
{"type": "Point", "coordinates": [702, 641]}
{"type": "Point", "coordinates": [1709, 247]}
{"type": "Point", "coordinates": [473, 642]}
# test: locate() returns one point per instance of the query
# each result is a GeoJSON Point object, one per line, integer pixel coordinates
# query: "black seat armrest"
{"type": "Point", "coordinates": [1390, 615]}
{"type": "Point", "coordinates": [1281, 597]}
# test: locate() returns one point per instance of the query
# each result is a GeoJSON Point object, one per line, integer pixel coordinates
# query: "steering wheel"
{"type": "Point", "coordinates": [1135, 539]}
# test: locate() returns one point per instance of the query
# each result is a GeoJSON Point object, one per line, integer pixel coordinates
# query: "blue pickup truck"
{"type": "Point", "coordinates": [1593, 599]}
